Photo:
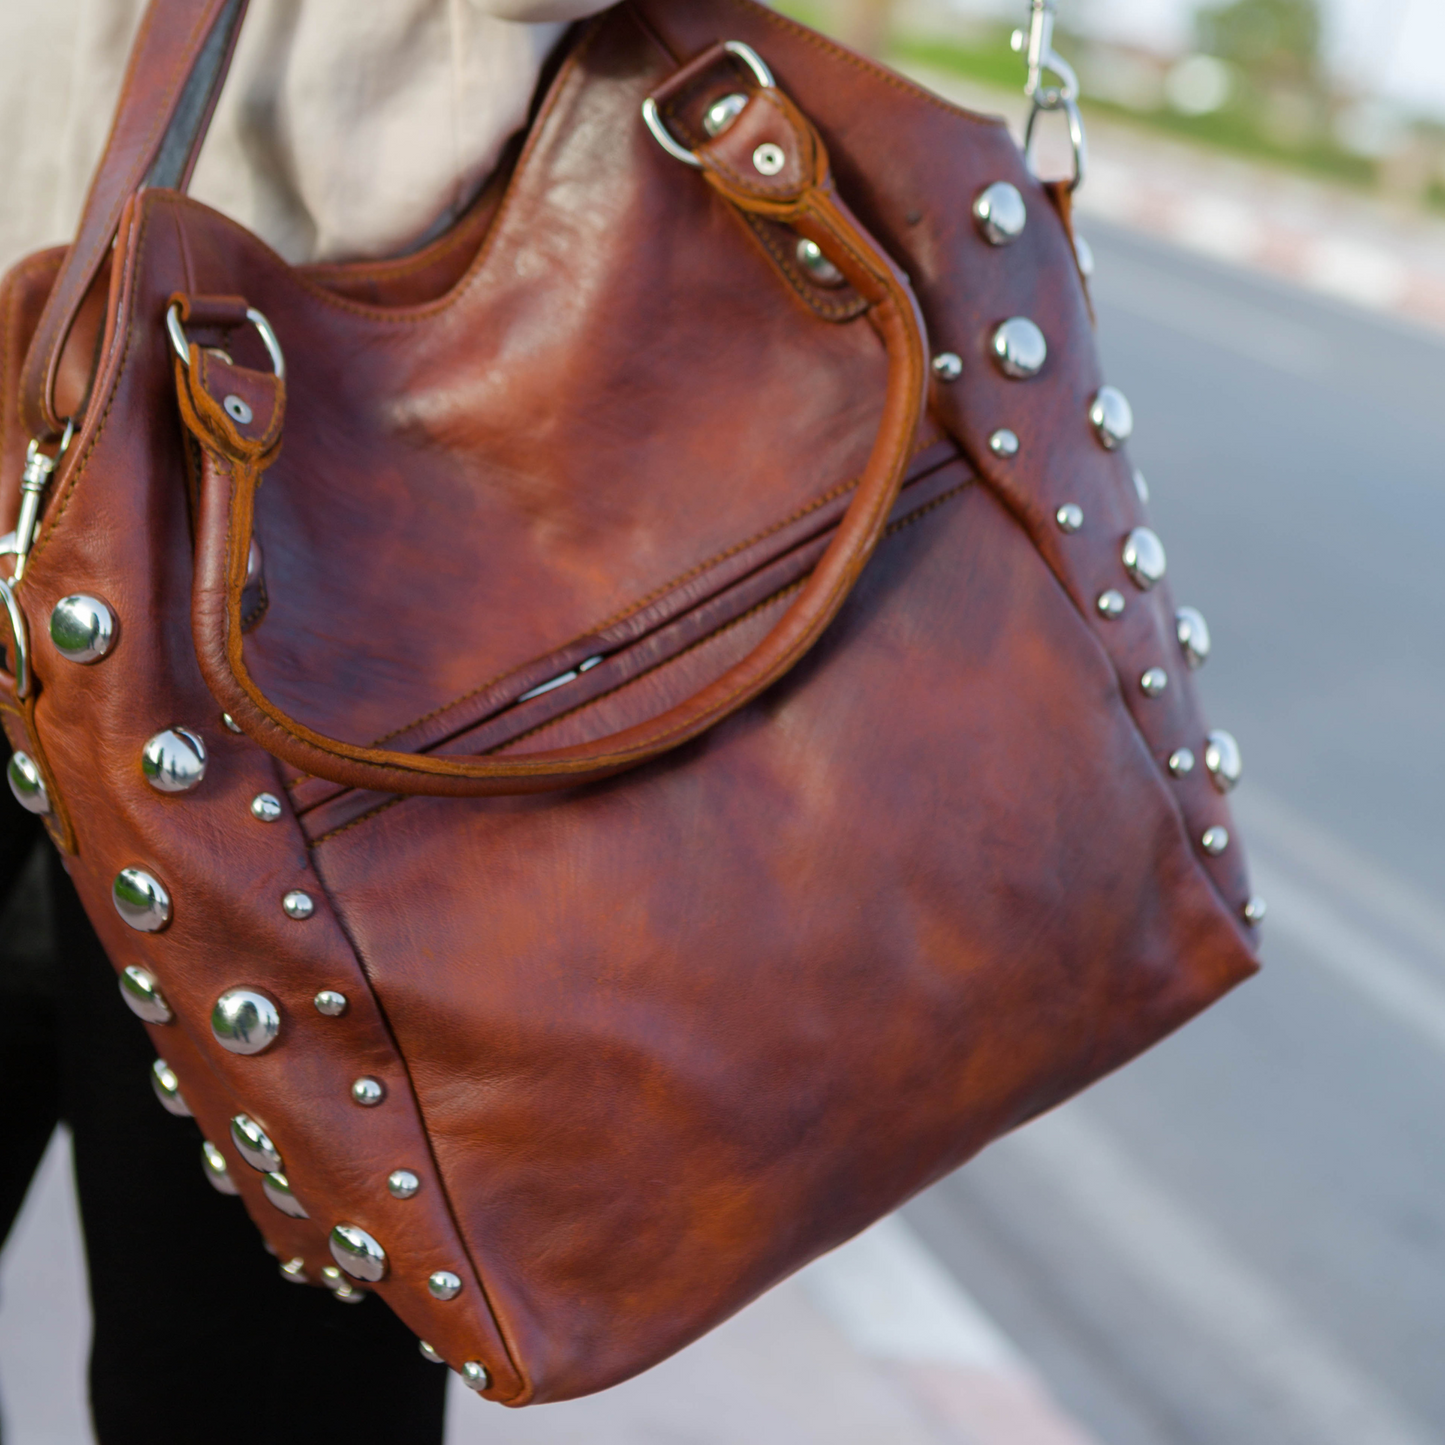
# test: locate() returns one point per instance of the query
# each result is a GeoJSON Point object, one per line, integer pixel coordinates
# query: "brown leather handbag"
{"type": "Point", "coordinates": [613, 750]}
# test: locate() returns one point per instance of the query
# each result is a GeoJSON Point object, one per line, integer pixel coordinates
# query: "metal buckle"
{"type": "Point", "coordinates": [652, 117]}
{"type": "Point", "coordinates": [182, 345]}
{"type": "Point", "coordinates": [1043, 58]}
{"type": "Point", "coordinates": [21, 635]}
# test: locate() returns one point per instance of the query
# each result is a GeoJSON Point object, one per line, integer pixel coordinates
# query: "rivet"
{"type": "Point", "coordinates": [1143, 558]}
{"type": "Point", "coordinates": [298, 905]}
{"type": "Point", "coordinates": [402, 1183]}
{"type": "Point", "coordinates": [1000, 213]}
{"type": "Point", "coordinates": [1215, 840]}
{"type": "Point", "coordinates": [253, 1144]}
{"type": "Point", "coordinates": [254, 562]}
{"type": "Point", "coordinates": [768, 159]}
{"type": "Point", "coordinates": [427, 1353]}
{"type": "Point", "coordinates": [819, 268]}
{"type": "Point", "coordinates": [1019, 348]}
{"type": "Point", "coordinates": [1141, 487]}
{"type": "Point", "coordinates": [245, 1021]}
{"type": "Point", "coordinates": [1004, 443]}
{"type": "Point", "coordinates": [358, 1253]}
{"type": "Point", "coordinates": [1110, 604]}
{"type": "Point", "coordinates": [443, 1284]}
{"type": "Point", "coordinates": [1112, 418]}
{"type": "Point", "coordinates": [27, 784]}
{"type": "Point", "coordinates": [475, 1376]}
{"type": "Point", "coordinates": [723, 112]}
{"type": "Point", "coordinates": [1153, 682]}
{"type": "Point", "coordinates": [1255, 910]}
{"type": "Point", "coordinates": [348, 1294]}
{"type": "Point", "coordinates": [277, 1188]}
{"type": "Point", "coordinates": [141, 900]}
{"type": "Point", "coordinates": [266, 807]}
{"type": "Point", "coordinates": [138, 987]}
{"type": "Point", "coordinates": [236, 409]}
{"type": "Point", "coordinates": [294, 1270]}
{"type": "Point", "coordinates": [173, 761]}
{"type": "Point", "coordinates": [330, 1003]}
{"type": "Point", "coordinates": [168, 1089]}
{"type": "Point", "coordinates": [1181, 762]}
{"type": "Point", "coordinates": [1193, 634]}
{"type": "Point", "coordinates": [82, 628]}
{"type": "Point", "coordinates": [948, 366]}
{"type": "Point", "coordinates": [1070, 517]}
{"type": "Point", "coordinates": [1084, 254]}
{"type": "Point", "coordinates": [230, 723]}
{"type": "Point", "coordinates": [331, 1276]}
{"type": "Point", "coordinates": [214, 1163]}
{"type": "Point", "coordinates": [368, 1092]}
{"type": "Point", "coordinates": [1222, 759]}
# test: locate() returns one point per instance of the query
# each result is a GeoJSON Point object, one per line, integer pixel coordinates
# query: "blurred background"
{"type": "Point", "coordinates": [1240, 1239]}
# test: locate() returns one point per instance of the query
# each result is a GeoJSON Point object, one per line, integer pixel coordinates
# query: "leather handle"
{"type": "Point", "coordinates": [799, 192]}
{"type": "Point", "coordinates": [177, 63]}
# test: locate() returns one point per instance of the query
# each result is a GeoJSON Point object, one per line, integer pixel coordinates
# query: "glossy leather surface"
{"type": "Point", "coordinates": [654, 1042]}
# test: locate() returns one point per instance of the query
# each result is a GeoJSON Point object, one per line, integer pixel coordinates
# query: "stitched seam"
{"type": "Point", "coordinates": [828, 310]}
{"type": "Point", "coordinates": [360, 818]}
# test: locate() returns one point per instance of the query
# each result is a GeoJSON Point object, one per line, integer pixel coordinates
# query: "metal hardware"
{"type": "Point", "coordinates": [330, 1003]}
{"type": "Point", "coordinates": [948, 366]}
{"type": "Point", "coordinates": [182, 346]}
{"type": "Point", "coordinates": [1070, 517]}
{"type": "Point", "coordinates": [819, 268]}
{"type": "Point", "coordinates": [231, 724]}
{"type": "Point", "coordinates": [1181, 762]}
{"type": "Point", "coordinates": [769, 159]}
{"type": "Point", "coordinates": [368, 1092]}
{"type": "Point", "coordinates": [1111, 417]}
{"type": "Point", "coordinates": [402, 1184]}
{"type": "Point", "coordinates": [475, 1376]}
{"type": "Point", "coordinates": [174, 761]}
{"type": "Point", "coordinates": [33, 481]}
{"type": "Point", "coordinates": [1215, 840]}
{"type": "Point", "coordinates": [1143, 558]}
{"type": "Point", "coordinates": [143, 996]}
{"type": "Point", "coordinates": [236, 409]}
{"type": "Point", "coordinates": [1004, 443]}
{"type": "Point", "coordinates": [245, 1021]}
{"type": "Point", "coordinates": [1019, 348]}
{"type": "Point", "coordinates": [652, 117]}
{"type": "Point", "coordinates": [562, 678]}
{"type": "Point", "coordinates": [82, 628]}
{"type": "Point", "coordinates": [254, 1144]}
{"type": "Point", "coordinates": [294, 1270]}
{"type": "Point", "coordinates": [1110, 604]}
{"type": "Point", "coordinates": [20, 662]}
{"type": "Point", "coordinates": [331, 1276]}
{"type": "Point", "coordinates": [358, 1253]}
{"type": "Point", "coordinates": [298, 905]}
{"type": "Point", "coordinates": [277, 1188]}
{"type": "Point", "coordinates": [1153, 682]}
{"type": "Point", "coordinates": [141, 899]}
{"type": "Point", "coordinates": [427, 1353]}
{"type": "Point", "coordinates": [214, 1163]}
{"type": "Point", "coordinates": [1043, 59]}
{"type": "Point", "coordinates": [266, 807]}
{"type": "Point", "coordinates": [1255, 910]}
{"type": "Point", "coordinates": [1000, 213]}
{"type": "Point", "coordinates": [27, 784]}
{"type": "Point", "coordinates": [348, 1294]}
{"type": "Point", "coordinates": [1141, 486]}
{"type": "Point", "coordinates": [1084, 255]}
{"type": "Point", "coordinates": [443, 1284]}
{"type": "Point", "coordinates": [168, 1089]}
{"type": "Point", "coordinates": [723, 112]}
{"type": "Point", "coordinates": [1223, 760]}
{"type": "Point", "coordinates": [1193, 634]}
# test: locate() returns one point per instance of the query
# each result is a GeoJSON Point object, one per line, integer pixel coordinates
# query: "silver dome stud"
{"type": "Point", "coordinates": [168, 1089]}
{"type": "Point", "coordinates": [245, 1021]}
{"type": "Point", "coordinates": [443, 1284]}
{"type": "Point", "coordinates": [1223, 760]}
{"type": "Point", "coordinates": [358, 1253]}
{"type": "Point", "coordinates": [294, 1270]}
{"type": "Point", "coordinates": [1070, 517]}
{"type": "Point", "coordinates": [948, 366]}
{"type": "Point", "coordinates": [1193, 634]}
{"type": "Point", "coordinates": [821, 271]}
{"type": "Point", "coordinates": [230, 723]}
{"type": "Point", "coordinates": [1019, 348]}
{"type": "Point", "coordinates": [368, 1092]}
{"type": "Point", "coordinates": [1255, 910]}
{"type": "Point", "coordinates": [1141, 487]}
{"type": "Point", "coordinates": [1000, 213]}
{"type": "Point", "coordinates": [255, 560]}
{"type": "Point", "coordinates": [427, 1353]}
{"type": "Point", "coordinates": [331, 1003]}
{"type": "Point", "coordinates": [173, 761]}
{"type": "Point", "coordinates": [1112, 417]}
{"type": "Point", "coordinates": [331, 1277]}
{"type": "Point", "coordinates": [266, 807]}
{"type": "Point", "coordinates": [82, 628]}
{"type": "Point", "coordinates": [1110, 603]}
{"type": "Point", "coordinates": [277, 1188]}
{"type": "Point", "coordinates": [143, 996]}
{"type": "Point", "coordinates": [1215, 840]}
{"type": "Point", "coordinates": [254, 1145]}
{"type": "Point", "coordinates": [27, 784]}
{"type": "Point", "coordinates": [1084, 255]}
{"type": "Point", "coordinates": [214, 1163]}
{"type": "Point", "coordinates": [1181, 762]}
{"type": "Point", "coordinates": [298, 905]}
{"type": "Point", "coordinates": [1004, 443]}
{"type": "Point", "coordinates": [475, 1376]}
{"type": "Point", "coordinates": [402, 1183]}
{"type": "Point", "coordinates": [1153, 682]}
{"type": "Point", "coordinates": [723, 112]}
{"type": "Point", "coordinates": [348, 1294]}
{"type": "Point", "coordinates": [141, 900]}
{"type": "Point", "coordinates": [1143, 558]}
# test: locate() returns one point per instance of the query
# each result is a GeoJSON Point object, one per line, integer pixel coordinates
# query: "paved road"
{"type": "Point", "coordinates": [1240, 1240]}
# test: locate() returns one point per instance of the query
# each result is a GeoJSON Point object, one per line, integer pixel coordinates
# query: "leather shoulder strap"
{"type": "Point", "coordinates": [176, 68]}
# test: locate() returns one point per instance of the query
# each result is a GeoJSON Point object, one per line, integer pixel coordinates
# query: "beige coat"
{"type": "Point", "coordinates": [347, 127]}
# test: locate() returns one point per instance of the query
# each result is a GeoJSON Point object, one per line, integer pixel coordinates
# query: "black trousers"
{"type": "Point", "coordinates": [197, 1337]}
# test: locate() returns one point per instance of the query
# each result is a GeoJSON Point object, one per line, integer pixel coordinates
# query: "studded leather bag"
{"type": "Point", "coordinates": [613, 750]}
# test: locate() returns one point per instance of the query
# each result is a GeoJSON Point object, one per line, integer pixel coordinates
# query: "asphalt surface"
{"type": "Point", "coordinates": [1241, 1237]}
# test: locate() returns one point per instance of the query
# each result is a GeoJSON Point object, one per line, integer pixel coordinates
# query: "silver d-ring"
{"type": "Point", "coordinates": [263, 327]}
{"type": "Point", "coordinates": [22, 640]}
{"type": "Point", "coordinates": [652, 117]}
